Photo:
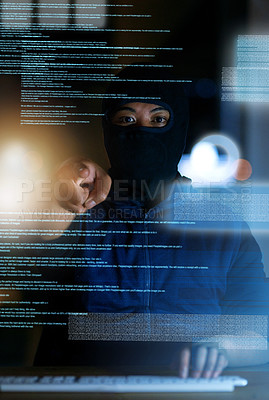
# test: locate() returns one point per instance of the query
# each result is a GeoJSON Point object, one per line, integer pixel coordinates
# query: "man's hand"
{"type": "Point", "coordinates": [201, 361]}
{"type": "Point", "coordinates": [81, 185]}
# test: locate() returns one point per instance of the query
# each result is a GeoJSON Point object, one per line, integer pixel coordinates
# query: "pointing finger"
{"type": "Point", "coordinates": [98, 194]}
{"type": "Point", "coordinates": [83, 172]}
{"type": "Point", "coordinates": [100, 190]}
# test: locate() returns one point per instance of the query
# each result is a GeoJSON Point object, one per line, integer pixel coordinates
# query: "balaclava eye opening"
{"type": "Point", "coordinates": [145, 155]}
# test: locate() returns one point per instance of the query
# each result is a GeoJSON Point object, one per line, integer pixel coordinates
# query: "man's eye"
{"type": "Point", "coordinates": [160, 120]}
{"type": "Point", "coordinates": [127, 120]}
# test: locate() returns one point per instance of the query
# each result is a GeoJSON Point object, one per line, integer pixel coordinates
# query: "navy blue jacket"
{"type": "Point", "coordinates": [143, 262]}
{"type": "Point", "coordinates": [128, 260]}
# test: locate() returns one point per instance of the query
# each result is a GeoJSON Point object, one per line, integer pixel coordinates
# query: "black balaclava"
{"type": "Point", "coordinates": [144, 155]}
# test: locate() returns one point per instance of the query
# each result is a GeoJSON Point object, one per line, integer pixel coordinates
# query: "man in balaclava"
{"type": "Point", "coordinates": [145, 157]}
{"type": "Point", "coordinates": [144, 163]}
{"type": "Point", "coordinates": [134, 266]}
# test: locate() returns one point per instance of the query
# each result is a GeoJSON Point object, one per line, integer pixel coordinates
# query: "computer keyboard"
{"type": "Point", "coordinates": [118, 384]}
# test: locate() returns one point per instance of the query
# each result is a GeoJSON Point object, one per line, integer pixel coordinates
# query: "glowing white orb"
{"type": "Point", "coordinates": [204, 158]}
{"type": "Point", "coordinates": [205, 162]}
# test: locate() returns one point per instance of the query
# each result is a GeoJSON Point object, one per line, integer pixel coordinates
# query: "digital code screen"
{"type": "Point", "coordinates": [134, 200]}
